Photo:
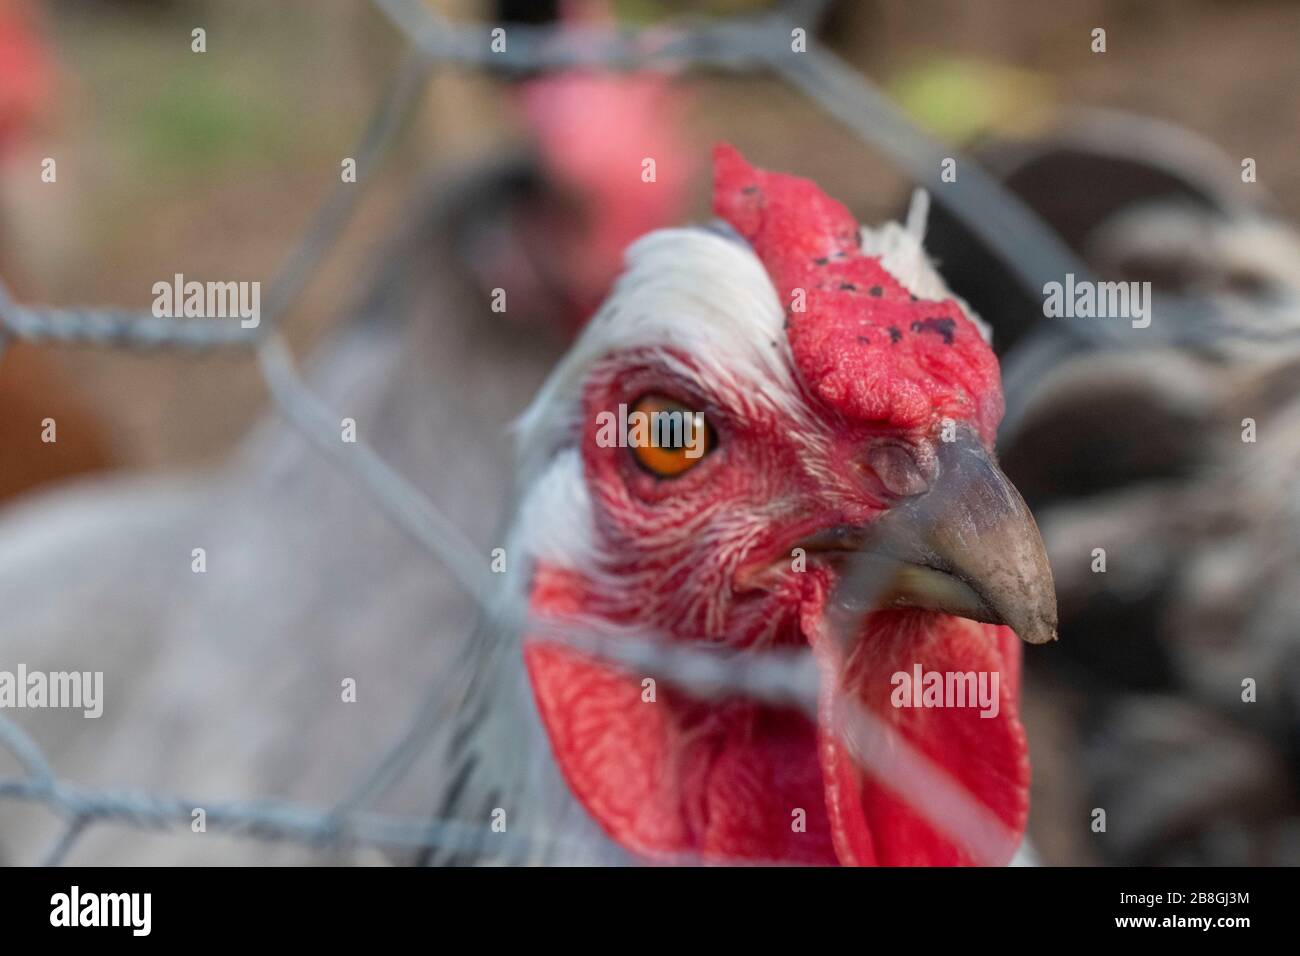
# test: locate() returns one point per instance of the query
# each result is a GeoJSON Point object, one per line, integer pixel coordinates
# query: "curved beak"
{"type": "Point", "coordinates": [967, 546]}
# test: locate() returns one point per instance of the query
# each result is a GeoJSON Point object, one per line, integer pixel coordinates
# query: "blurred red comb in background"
{"type": "Point", "coordinates": [594, 133]}
{"type": "Point", "coordinates": [24, 69]}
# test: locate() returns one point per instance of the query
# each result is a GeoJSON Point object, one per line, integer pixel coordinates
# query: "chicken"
{"type": "Point", "coordinates": [1177, 459]}
{"type": "Point", "coordinates": [1202, 539]}
{"type": "Point", "coordinates": [826, 361]}
{"type": "Point", "coordinates": [226, 685]}
{"type": "Point", "coordinates": [824, 432]}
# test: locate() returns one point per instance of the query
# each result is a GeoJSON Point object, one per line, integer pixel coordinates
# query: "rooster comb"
{"type": "Point", "coordinates": [863, 343]}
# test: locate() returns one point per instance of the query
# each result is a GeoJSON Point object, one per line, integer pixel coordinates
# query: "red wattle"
{"type": "Point", "coordinates": [982, 760]}
{"type": "Point", "coordinates": [676, 778]}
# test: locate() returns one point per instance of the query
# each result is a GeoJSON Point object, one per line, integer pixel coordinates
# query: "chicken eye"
{"type": "Point", "coordinates": [665, 437]}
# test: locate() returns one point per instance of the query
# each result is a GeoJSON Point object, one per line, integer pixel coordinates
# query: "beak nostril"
{"type": "Point", "coordinates": [898, 469]}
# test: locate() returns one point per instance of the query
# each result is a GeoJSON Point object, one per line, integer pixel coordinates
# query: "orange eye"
{"type": "Point", "coordinates": [666, 438]}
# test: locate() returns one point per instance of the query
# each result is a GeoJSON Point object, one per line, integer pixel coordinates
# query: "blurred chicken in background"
{"type": "Point", "coordinates": [1181, 463]}
{"type": "Point", "coordinates": [24, 69]}
{"type": "Point", "coordinates": [570, 208]}
{"type": "Point", "coordinates": [31, 388]}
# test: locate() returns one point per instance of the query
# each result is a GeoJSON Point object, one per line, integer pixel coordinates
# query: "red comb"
{"type": "Point", "coordinates": [862, 343]}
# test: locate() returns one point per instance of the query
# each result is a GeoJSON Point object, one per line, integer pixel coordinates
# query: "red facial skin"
{"type": "Point", "coordinates": [705, 556]}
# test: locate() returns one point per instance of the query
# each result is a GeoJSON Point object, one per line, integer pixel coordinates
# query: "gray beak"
{"type": "Point", "coordinates": [967, 546]}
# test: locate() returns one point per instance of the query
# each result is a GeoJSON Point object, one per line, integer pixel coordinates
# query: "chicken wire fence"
{"type": "Point", "coordinates": [780, 43]}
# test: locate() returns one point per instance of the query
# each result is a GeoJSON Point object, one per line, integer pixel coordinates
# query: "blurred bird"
{"type": "Point", "coordinates": [1201, 533]}
{"type": "Point", "coordinates": [24, 70]}
{"type": "Point", "coordinates": [587, 133]}
{"type": "Point", "coordinates": [1179, 460]}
